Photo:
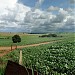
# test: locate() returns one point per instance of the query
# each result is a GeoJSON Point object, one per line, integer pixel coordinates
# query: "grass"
{"type": "Point", "coordinates": [30, 38]}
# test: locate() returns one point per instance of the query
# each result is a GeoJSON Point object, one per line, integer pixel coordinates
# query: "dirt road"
{"type": "Point", "coordinates": [5, 50]}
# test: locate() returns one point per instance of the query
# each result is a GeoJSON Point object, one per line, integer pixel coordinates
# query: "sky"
{"type": "Point", "coordinates": [37, 16]}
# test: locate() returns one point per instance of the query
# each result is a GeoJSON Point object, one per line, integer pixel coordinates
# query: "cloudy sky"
{"type": "Point", "coordinates": [37, 16]}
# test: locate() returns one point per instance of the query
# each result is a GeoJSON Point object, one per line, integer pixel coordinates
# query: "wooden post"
{"type": "Point", "coordinates": [20, 58]}
{"type": "Point", "coordinates": [11, 47]}
{"type": "Point", "coordinates": [16, 46]}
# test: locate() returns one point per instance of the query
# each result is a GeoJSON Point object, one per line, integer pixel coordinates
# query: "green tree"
{"type": "Point", "coordinates": [16, 39]}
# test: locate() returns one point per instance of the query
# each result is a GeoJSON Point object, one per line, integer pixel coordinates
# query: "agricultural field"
{"type": "Point", "coordinates": [57, 58]}
{"type": "Point", "coordinates": [6, 38]}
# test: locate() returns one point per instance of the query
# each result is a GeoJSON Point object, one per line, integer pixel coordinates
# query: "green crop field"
{"type": "Point", "coordinates": [29, 38]}
{"type": "Point", "coordinates": [57, 58]}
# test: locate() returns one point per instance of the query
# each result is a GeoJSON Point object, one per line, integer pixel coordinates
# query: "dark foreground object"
{"type": "Point", "coordinates": [16, 69]}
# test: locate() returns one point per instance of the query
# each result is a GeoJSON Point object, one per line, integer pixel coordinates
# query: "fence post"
{"type": "Point", "coordinates": [16, 46]}
{"type": "Point", "coordinates": [11, 47]}
{"type": "Point", "coordinates": [20, 58]}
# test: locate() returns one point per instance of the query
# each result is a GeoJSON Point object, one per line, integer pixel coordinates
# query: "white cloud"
{"type": "Point", "coordinates": [45, 21]}
{"type": "Point", "coordinates": [7, 3]}
{"type": "Point", "coordinates": [18, 17]}
{"type": "Point", "coordinates": [52, 8]}
{"type": "Point", "coordinates": [38, 4]}
{"type": "Point", "coordinates": [62, 11]}
{"type": "Point", "coordinates": [11, 13]}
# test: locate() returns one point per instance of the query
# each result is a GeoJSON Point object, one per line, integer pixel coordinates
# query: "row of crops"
{"type": "Point", "coordinates": [52, 59]}
{"type": "Point", "coordinates": [57, 58]}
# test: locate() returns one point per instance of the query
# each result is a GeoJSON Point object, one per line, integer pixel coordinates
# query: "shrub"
{"type": "Point", "coordinates": [52, 35]}
{"type": "Point", "coordinates": [49, 35]}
